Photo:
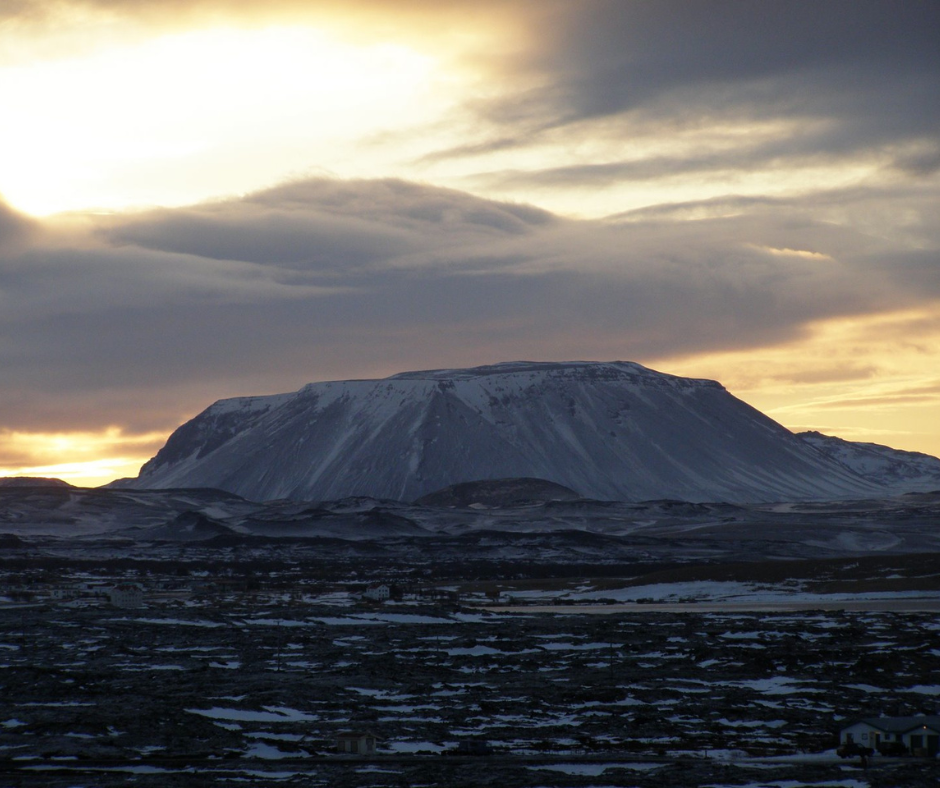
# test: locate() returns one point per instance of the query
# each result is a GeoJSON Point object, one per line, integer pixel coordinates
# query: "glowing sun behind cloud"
{"type": "Point", "coordinates": [181, 117]}
{"type": "Point", "coordinates": [95, 457]}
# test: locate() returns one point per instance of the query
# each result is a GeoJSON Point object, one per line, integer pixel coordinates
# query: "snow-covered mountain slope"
{"type": "Point", "coordinates": [607, 430]}
{"type": "Point", "coordinates": [901, 471]}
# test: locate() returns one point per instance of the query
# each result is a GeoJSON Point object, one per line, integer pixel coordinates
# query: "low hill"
{"type": "Point", "coordinates": [31, 481]}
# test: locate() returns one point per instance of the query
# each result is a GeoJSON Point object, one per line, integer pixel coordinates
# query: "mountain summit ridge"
{"type": "Point", "coordinates": [610, 430]}
{"type": "Point", "coordinates": [578, 370]}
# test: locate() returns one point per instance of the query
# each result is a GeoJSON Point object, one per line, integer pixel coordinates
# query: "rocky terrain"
{"type": "Point", "coordinates": [250, 687]}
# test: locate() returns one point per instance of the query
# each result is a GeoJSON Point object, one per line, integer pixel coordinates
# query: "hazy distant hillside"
{"type": "Point", "coordinates": [608, 430]}
{"type": "Point", "coordinates": [902, 471]}
{"type": "Point", "coordinates": [32, 481]}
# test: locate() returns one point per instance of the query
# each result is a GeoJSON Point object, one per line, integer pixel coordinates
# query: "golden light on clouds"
{"type": "Point", "coordinates": [182, 117]}
{"type": "Point", "coordinates": [602, 166]}
{"type": "Point", "coordinates": [599, 199]}
{"type": "Point", "coordinates": [175, 117]}
{"type": "Point", "coordinates": [804, 253]}
{"type": "Point", "coordinates": [95, 457]}
{"type": "Point", "coordinates": [872, 378]}
{"type": "Point", "coordinates": [145, 112]}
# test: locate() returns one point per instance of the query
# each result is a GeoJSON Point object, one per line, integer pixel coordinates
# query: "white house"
{"type": "Point", "coordinates": [355, 743]}
{"type": "Point", "coordinates": [920, 735]}
{"type": "Point", "coordinates": [126, 595]}
{"type": "Point", "coordinates": [63, 592]}
{"type": "Point", "coordinates": [378, 593]}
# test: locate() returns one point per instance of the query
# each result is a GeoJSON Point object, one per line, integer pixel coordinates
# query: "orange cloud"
{"type": "Point", "coordinates": [869, 377]}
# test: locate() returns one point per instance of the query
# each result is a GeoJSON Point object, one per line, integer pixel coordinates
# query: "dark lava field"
{"type": "Point", "coordinates": [250, 687]}
{"type": "Point", "coordinates": [254, 648]}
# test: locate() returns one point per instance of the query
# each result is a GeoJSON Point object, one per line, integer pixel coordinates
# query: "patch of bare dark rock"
{"type": "Point", "coordinates": [498, 493]}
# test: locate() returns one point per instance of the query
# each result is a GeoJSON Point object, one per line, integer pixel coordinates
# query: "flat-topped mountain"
{"type": "Point", "coordinates": [612, 430]}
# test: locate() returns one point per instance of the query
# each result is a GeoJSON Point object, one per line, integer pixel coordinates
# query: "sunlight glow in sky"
{"type": "Point", "coordinates": [187, 116]}
{"type": "Point", "coordinates": [95, 457]}
{"type": "Point", "coordinates": [849, 377]}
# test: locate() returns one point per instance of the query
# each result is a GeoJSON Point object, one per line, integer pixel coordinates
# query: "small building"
{"type": "Point", "coordinates": [355, 743]}
{"type": "Point", "coordinates": [919, 735]}
{"type": "Point", "coordinates": [379, 593]}
{"type": "Point", "coordinates": [60, 593]}
{"type": "Point", "coordinates": [440, 595]}
{"type": "Point", "coordinates": [126, 595]}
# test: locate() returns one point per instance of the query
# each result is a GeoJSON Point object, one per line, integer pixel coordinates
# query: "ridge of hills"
{"type": "Point", "coordinates": [32, 481]}
{"type": "Point", "coordinates": [102, 523]}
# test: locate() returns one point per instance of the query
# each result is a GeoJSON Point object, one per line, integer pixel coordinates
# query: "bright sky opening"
{"type": "Point", "coordinates": [187, 116]}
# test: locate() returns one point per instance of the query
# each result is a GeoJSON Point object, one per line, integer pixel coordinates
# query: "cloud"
{"type": "Point", "coordinates": [15, 229]}
{"type": "Point", "coordinates": [322, 224]}
{"type": "Point", "coordinates": [140, 319]}
{"type": "Point", "coordinates": [607, 57]}
{"type": "Point", "coordinates": [831, 373]}
{"type": "Point", "coordinates": [21, 450]}
{"type": "Point", "coordinates": [415, 20]}
{"type": "Point", "coordinates": [556, 97]}
{"type": "Point", "coordinates": [885, 402]}
{"type": "Point", "coordinates": [713, 89]}
{"type": "Point", "coordinates": [921, 161]}
{"type": "Point", "coordinates": [801, 152]}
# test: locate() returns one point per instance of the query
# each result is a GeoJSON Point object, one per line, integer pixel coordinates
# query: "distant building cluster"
{"type": "Point", "coordinates": [126, 595]}
{"type": "Point", "coordinates": [383, 592]}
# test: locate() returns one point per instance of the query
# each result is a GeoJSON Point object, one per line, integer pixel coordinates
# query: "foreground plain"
{"type": "Point", "coordinates": [255, 648]}
{"type": "Point", "coordinates": [251, 689]}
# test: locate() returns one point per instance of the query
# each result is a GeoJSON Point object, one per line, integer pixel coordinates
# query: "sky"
{"type": "Point", "coordinates": [202, 199]}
